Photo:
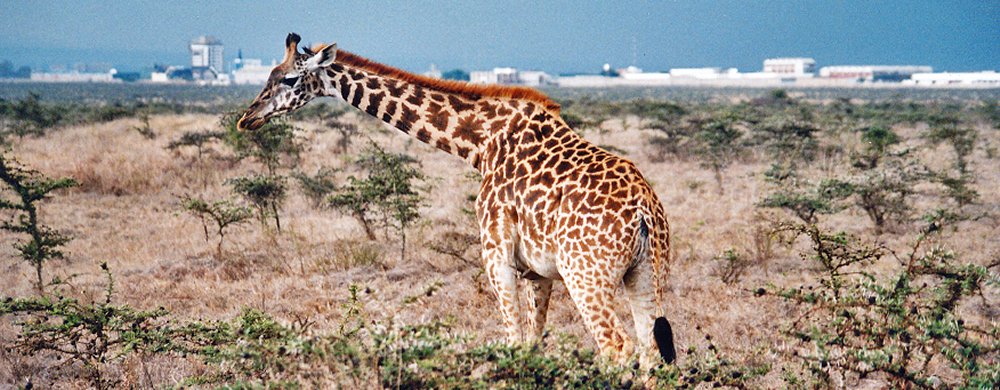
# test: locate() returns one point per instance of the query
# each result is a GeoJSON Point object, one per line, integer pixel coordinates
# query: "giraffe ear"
{"type": "Point", "coordinates": [323, 58]}
{"type": "Point", "coordinates": [291, 46]}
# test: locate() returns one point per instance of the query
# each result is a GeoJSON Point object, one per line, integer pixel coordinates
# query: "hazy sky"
{"type": "Point", "coordinates": [553, 36]}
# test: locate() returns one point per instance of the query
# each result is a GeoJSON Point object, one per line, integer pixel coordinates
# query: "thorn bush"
{"type": "Point", "coordinates": [30, 187]}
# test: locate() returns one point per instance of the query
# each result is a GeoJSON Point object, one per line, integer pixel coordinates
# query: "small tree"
{"type": "Point", "coordinates": [387, 195]}
{"type": "Point", "coordinates": [268, 144]}
{"type": "Point", "coordinates": [347, 132]}
{"type": "Point", "coordinates": [807, 200]}
{"type": "Point", "coordinates": [318, 186]}
{"type": "Point", "coordinates": [197, 139]}
{"type": "Point", "coordinates": [905, 325]}
{"type": "Point", "coordinates": [788, 139]}
{"type": "Point", "coordinates": [717, 146]}
{"type": "Point", "coordinates": [146, 131]}
{"type": "Point", "coordinates": [265, 192]}
{"type": "Point", "coordinates": [222, 213]}
{"type": "Point", "coordinates": [30, 187]}
{"type": "Point", "coordinates": [883, 193]}
{"type": "Point", "coordinates": [28, 116]}
{"type": "Point", "coordinates": [962, 140]}
{"type": "Point", "coordinates": [877, 141]}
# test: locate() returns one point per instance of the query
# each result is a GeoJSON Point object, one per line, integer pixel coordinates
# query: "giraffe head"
{"type": "Point", "coordinates": [291, 85]}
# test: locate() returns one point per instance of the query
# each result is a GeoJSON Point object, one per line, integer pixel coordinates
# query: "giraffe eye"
{"type": "Point", "coordinates": [290, 81]}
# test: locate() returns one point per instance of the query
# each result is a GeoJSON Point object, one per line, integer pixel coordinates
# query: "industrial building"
{"type": "Point", "coordinates": [790, 66]}
{"type": "Point", "coordinates": [987, 78]}
{"type": "Point", "coordinates": [75, 77]}
{"type": "Point", "coordinates": [872, 73]}
{"type": "Point", "coordinates": [252, 71]}
{"type": "Point", "coordinates": [510, 76]}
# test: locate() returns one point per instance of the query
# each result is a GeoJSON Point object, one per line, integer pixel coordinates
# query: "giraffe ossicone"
{"type": "Point", "coordinates": [551, 206]}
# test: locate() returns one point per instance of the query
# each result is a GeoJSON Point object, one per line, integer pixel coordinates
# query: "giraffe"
{"type": "Point", "coordinates": [551, 206]}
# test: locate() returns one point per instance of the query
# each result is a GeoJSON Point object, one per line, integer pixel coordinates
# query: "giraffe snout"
{"type": "Point", "coordinates": [250, 121]}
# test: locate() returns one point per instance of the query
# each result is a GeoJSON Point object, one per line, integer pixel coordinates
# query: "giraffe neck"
{"type": "Point", "coordinates": [448, 121]}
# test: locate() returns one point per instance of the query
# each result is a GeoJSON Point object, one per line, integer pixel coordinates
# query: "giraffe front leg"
{"type": "Point", "coordinates": [540, 290]}
{"type": "Point", "coordinates": [503, 278]}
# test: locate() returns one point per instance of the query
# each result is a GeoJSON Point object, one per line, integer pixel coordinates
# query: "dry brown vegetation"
{"type": "Point", "coordinates": [126, 212]}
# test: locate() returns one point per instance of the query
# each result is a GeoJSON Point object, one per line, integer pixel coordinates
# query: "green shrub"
{"type": "Point", "coordinates": [265, 192]}
{"type": "Point", "coordinates": [883, 193]}
{"type": "Point", "coordinates": [318, 186]}
{"type": "Point", "coordinates": [717, 146]}
{"type": "Point", "coordinates": [854, 324]}
{"type": "Point", "coordinates": [788, 139]}
{"type": "Point", "coordinates": [28, 116]}
{"type": "Point", "coordinates": [30, 187]}
{"type": "Point", "coordinates": [222, 213]}
{"type": "Point", "coordinates": [270, 145]}
{"type": "Point", "coordinates": [877, 141]}
{"type": "Point", "coordinates": [805, 199]}
{"type": "Point", "coordinates": [197, 139]}
{"type": "Point", "coordinates": [962, 141]}
{"type": "Point", "coordinates": [91, 336]}
{"type": "Point", "coordinates": [386, 197]}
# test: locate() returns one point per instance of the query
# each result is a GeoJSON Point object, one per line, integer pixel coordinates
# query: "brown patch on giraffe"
{"type": "Point", "coordinates": [458, 104]}
{"type": "Point", "coordinates": [545, 179]}
{"type": "Point", "coordinates": [345, 88]}
{"type": "Point", "coordinates": [467, 90]}
{"type": "Point", "coordinates": [395, 88]}
{"type": "Point", "coordinates": [407, 119]}
{"type": "Point", "coordinates": [423, 135]}
{"type": "Point", "coordinates": [497, 125]}
{"type": "Point", "coordinates": [443, 144]}
{"type": "Point", "coordinates": [469, 128]}
{"type": "Point", "coordinates": [437, 116]}
{"type": "Point", "coordinates": [374, 100]}
{"type": "Point", "coordinates": [358, 95]}
{"type": "Point", "coordinates": [417, 97]}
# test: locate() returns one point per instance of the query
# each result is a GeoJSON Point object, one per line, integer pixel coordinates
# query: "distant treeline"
{"type": "Point", "coordinates": [7, 71]}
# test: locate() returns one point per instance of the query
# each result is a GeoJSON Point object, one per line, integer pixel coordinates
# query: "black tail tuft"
{"type": "Point", "coordinates": [664, 337]}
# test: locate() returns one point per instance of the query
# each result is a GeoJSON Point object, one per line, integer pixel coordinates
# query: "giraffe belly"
{"type": "Point", "coordinates": [532, 260]}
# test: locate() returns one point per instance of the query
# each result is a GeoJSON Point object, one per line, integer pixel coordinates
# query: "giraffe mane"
{"type": "Point", "coordinates": [472, 91]}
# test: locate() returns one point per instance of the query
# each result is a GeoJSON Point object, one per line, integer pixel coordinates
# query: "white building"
{"type": "Point", "coordinates": [253, 71]}
{"type": "Point", "coordinates": [869, 73]}
{"type": "Point", "coordinates": [705, 73]}
{"type": "Point", "coordinates": [797, 66]}
{"type": "Point", "coordinates": [206, 58]}
{"type": "Point", "coordinates": [534, 78]}
{"type": "Point", "coordinates": [987, 78]}
{"type": "Point", "coordinates": [206, 51]}
{"type": "Point", "coordinates": [75, 77]}
{"type": "Point", "coordinates": [509, 76]}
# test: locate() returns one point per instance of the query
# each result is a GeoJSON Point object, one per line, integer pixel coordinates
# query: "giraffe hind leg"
{"type": "Point", "coordinates": [651, 328]}
{"type": "Point", "coordinates": [594, 300]}
{"type": "Point", "coordinates": [539, 292]}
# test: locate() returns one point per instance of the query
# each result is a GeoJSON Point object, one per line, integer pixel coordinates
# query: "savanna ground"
{"type": "Point", "coordinates": [763, 290]}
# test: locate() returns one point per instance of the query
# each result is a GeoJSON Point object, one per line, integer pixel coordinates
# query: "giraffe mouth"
{"type": "Point", "coordinates": [250, 123]}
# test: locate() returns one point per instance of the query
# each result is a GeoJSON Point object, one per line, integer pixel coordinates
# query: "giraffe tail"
{"type": "Point", "coordinates": [658, 245]}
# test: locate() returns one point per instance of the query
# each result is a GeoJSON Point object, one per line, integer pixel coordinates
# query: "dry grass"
{"type": "Point", "coordinates": [126, 212]}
